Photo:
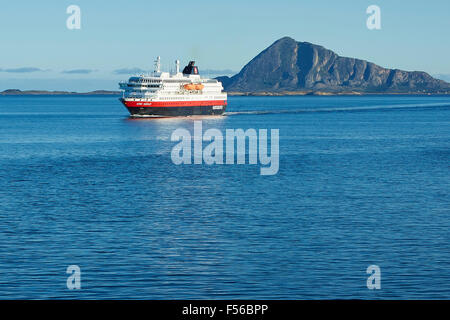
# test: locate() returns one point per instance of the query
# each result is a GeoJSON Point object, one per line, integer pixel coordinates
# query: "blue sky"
{"type": "Point", "coordinates": [39, 52]}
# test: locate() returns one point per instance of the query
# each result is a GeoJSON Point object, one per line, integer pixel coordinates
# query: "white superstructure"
{"type": "Point", "coordinates": [164, 87]}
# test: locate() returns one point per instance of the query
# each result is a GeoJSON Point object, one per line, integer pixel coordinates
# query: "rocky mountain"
{"type": "Point", "coordinates": [291, 66]}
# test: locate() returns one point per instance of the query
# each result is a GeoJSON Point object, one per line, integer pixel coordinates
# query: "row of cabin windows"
{"type": "Point", "coordinates": [159, 81]}
{"type": "Point", "coordinates": [147, 85]}
{"type": "Point", "coordinates": [168, 80]}
{"type": "Point", "coordinates": [145, 80]}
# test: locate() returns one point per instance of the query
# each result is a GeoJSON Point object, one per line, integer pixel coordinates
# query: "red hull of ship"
{"type": "Point", "coordinates": [168, 104]}
{"type": "Point", "coordinates": [175, 108]}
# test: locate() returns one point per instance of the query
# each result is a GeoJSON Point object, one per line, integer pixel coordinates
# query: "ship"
{"type": "Point", "coordinates": [166, 94]}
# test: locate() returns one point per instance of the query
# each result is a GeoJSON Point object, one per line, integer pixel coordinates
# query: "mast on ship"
{"type": "Point", "coordinates": [158, 65]}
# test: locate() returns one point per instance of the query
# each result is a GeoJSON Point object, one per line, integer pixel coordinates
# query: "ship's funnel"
{"type": "Point", "coordinates": [190, 68]}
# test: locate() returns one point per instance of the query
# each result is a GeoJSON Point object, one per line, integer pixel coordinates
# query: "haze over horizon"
{"type": "Point", "coordinates": [117, 39]}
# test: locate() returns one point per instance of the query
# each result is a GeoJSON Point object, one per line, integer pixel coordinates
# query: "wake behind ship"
{"type": "Point", "coordinates": [163, 94]}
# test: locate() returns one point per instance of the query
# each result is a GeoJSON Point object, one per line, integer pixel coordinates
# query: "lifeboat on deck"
{"type": "Point", "coordinates": [193, 86]}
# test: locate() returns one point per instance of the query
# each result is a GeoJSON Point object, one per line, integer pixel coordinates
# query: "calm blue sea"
{"type": "Point", "coordinates": [362, 181]}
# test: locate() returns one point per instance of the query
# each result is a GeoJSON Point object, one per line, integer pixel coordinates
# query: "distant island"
{"type": "Point", "coordinates": [16, 92]}
{"type": "Point", "coordinates": [289, 67]}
